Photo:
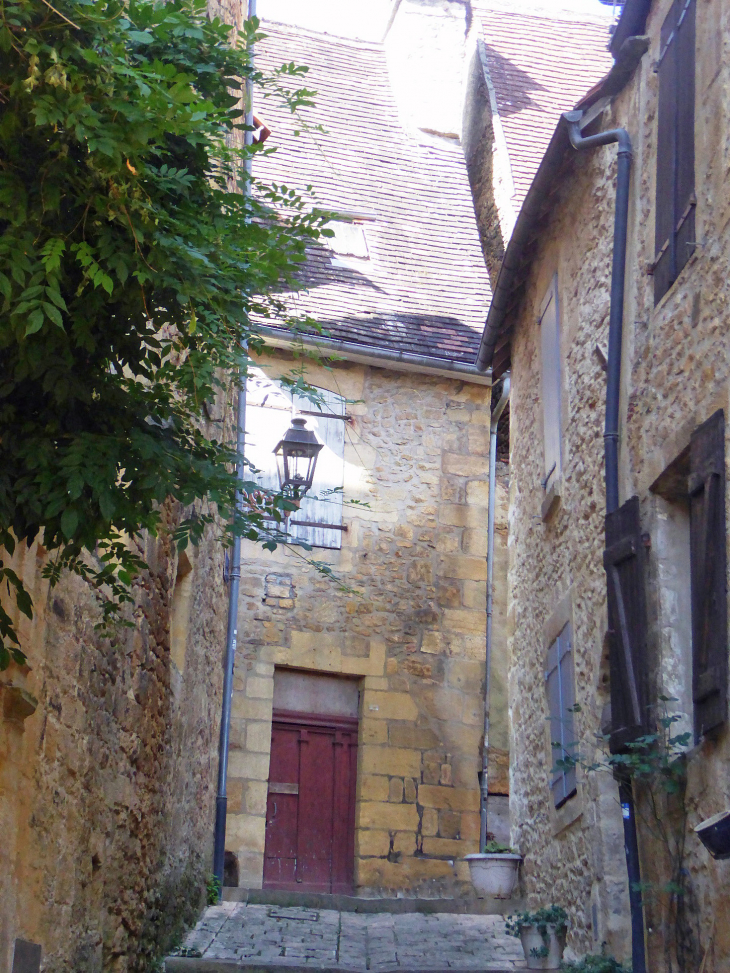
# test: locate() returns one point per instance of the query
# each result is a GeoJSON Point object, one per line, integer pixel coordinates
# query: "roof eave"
{"type": "Point", "coordinates": [537, 203]}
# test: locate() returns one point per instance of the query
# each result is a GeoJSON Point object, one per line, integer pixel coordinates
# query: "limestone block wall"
{"type": "Point", "coordinates": [413, 632]}
{"type": "Point", "coordinates": [108, 761]}
{"type": "Point", "coordinates": [676, 373]}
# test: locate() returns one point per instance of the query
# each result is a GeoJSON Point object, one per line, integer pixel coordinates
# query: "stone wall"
{"type": "Point", "coordinates": [414, 633]}
{"type": "Point", "coordinates": [108, 757]}
{"type": "Point", "coordinates": [675, 375]}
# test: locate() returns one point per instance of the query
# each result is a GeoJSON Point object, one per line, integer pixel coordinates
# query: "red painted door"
{"type": "Point", "coordinates": [310, 814]}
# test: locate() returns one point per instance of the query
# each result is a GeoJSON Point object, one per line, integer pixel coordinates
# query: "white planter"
{"type": "Point", "coordinates": [532, 939]}
{"type": "Point", "coordinates": [494, 875]}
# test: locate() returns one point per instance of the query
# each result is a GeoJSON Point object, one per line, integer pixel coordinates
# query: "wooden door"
{"type": "Point", "coordinates": [310, 813]}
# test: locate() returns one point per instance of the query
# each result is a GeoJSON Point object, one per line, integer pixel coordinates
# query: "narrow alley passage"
{"type": "Point", "coordinates": [235, 935]}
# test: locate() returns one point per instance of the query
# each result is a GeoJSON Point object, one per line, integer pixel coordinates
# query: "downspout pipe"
{"type": "Point", "coordinates": [221, 800]}
{"type": "Point", "coordinates": [610, 440]}
{"type": "Point", "coordinates": [496, 416]}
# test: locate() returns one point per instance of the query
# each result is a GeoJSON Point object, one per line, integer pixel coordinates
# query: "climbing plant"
{"type": "Point", "coordinates": [656, 766]}
{"type": "Point", "coordinates": [132, 267]}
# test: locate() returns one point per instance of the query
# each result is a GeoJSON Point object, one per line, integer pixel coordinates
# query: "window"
{"type": "Point", "coordinates": [268, 414]}
{"type": "Point", "coordinates": [561, 700]}
{"type": "Point", "coordinates": [550, 345]}
{"type": "Point", "coordinates": [693, 487]}
{"type": "Point", "coordinates": [675, 183]}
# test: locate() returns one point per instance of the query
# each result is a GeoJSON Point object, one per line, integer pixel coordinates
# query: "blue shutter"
{"type": "Point", "coordinates": [550, 348]}
{"type": "Point", "coordinates": [560, 689]}
{"type": "Point", "coordinates": [268, 415]}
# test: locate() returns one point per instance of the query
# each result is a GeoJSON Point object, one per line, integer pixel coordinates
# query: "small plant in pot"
{"type": "Point", "coordinates": [543, 936]}
{"type": "Point", "coordinates": [494, 871]}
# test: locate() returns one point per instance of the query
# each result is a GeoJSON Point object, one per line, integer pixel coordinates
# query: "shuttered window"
{"type": "Point", "coordinates": [268, 415]}
{"type": "Point", "coordinates": [623, 560]}
{"type": "Point", "coordinates": [550, 348]}
{"type": "Point", "coordinates": [675, 184]}
{"type": "Point", "coordinates": [559, 681]}
{"type": "Point", "coordinates": [708, 558]}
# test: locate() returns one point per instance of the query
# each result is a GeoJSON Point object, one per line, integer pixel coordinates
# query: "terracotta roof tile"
{"type": "Point", "coordinates": [540, 67]}
{"type": "Point", "coordinates": [424, 288]}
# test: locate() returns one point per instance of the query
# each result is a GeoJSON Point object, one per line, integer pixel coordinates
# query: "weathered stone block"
{"type": "Point", "coordinates": [450, 824]}
{"type": "Point", "coordinates": [245, 833]}
{"type": "Point", "coordinates": [250, 766]}
{"type": "Point", "coordinates": [395, 790]}
{"type": "Point", "coordinates": [243, 707]}
{"type": "Point", "coordinates": [255, 797]}
{"type": "Point", "coordinates": [392, 761]}
{"type": "Point", "coordinates": [410, 791]}
{"type": "Point", "coordinates": [411, 737]}
{"type": "Point", "coordinates": [448, 798]}
{"type": "Point", "coordinates": [464, 567]}
{"type": "Point", "coordinates": [371, 844]}
{"type": "Point", "coordinates": [430, 821]}
{"type": "Point", "coordinates": [474, 541]}
{"type": "Point", "coordinates": [259, 687]}
{"type": "Point", "coordinates": [375, 731]}
{"type": "Point", "coordinates": [389, 706]}
{"type": "Point", "coordinates": [258, 737]}
{"type": "Point", "coordinates": [373, 788]}
{"type": "Point", "coordinates": [465, 465]}
{"type": "Point", "coordinates": [464, 620]}
{"type": "Point", "coordinates": [391, 817]}
{"type": "Point", "coordinates": [444, 847]}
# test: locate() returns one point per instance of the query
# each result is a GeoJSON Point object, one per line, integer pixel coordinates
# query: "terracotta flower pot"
{"type": "Point", "coordinates": [494, 874]}
{"type": "Point", "coordinates": [534, 947]}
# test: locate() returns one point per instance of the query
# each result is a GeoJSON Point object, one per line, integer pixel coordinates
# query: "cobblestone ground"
{"type": "Point", "coordinates": [271, 936]}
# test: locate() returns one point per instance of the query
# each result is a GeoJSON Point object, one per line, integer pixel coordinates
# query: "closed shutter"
{"type": "Point", "coordinates": [675, 216]}
{"type": "Point", "coordinates": [323, 503]}
{"type": "Point", "coordinates": [629, 671]}
{"type": "Point", "coordinates": [709, 574]}
{"type": "Point", "coordinates": [550, 348]}
{"type": "Point", "coordinates": [268, 416]}
{"type": "Point", "coordinates": [559, 684]}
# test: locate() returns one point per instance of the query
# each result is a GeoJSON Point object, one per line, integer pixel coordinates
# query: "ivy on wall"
{"type": "Point", "coordinates": [131, 265]}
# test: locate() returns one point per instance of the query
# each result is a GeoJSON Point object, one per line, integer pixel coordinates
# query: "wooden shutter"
{"type": "Point", "coordinates": [624, 563]}
{"type": "Point", "coordinates": [268, 416]}
{"type": "Point", "coordinates": [550, 347]}
{"type": "Point", "coordinates": [675, 198]}
{"type": "Point", "coordinates": [559, 684]}
{"type": "Point", "coordinates": [709, 574]}
{"type": "Point", "coordinates": [323, 504]}
{"type": "Point", "coordinates": [684, 206]}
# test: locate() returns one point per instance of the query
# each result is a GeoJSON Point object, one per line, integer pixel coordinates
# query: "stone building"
{"type": "Point", "coordinates": [361, 710]}
{"type": "Point", "coordinates": [108, 759]}
{"type": "Point", "coordinates": [662, 647]}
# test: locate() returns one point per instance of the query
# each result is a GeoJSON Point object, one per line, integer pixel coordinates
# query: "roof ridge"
{"type": "Point", "coordinates": [483, 7]}
{"type": "Point", "coordinates": [295, 30]}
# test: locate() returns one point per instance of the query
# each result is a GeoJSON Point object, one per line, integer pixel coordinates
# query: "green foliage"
{"type": "Point", "coordinates": [495, 848]}
{"type": "Point", "coordinates": [596, 964]}
{"type": "Point", "coordinates": [212, 890]}
{"type": "Point", "coordinates": [132, 269]}
{"type": "Point", "coordinates": [553, 915]}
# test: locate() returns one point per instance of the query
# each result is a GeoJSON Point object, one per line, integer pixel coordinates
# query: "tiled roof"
{"type": "Point", "coordinates": [540, 67]}
{"type": "Point", "coordinates": [424, 287]}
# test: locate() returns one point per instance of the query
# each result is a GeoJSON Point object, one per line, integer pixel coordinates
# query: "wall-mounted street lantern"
{"type": "Point", "coordinates": [296, 457]}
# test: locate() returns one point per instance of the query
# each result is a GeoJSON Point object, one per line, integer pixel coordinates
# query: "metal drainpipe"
{"type": "Point", "coordinates": [221, 801]}
{"type": "Point", "coordinates": [496, 416]}
{"type": "Point", "coordinates": [610, 440]}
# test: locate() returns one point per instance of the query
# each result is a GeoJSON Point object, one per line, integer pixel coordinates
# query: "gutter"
{"type": "Point", "coordinates": [402, 361]}
{"type": "Point", "coordinates": [496, 416]}
{"type": "Point", "coordinates": [221, 800]}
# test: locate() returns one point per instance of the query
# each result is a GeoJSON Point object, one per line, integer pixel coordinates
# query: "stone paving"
{"type": "Point", "coordinates": [246, 936]}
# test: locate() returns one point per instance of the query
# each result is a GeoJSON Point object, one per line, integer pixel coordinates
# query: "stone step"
{"type": "Point", "coordinates": [185, 964]}
{"type": "Point", "coordinates": [487, 906]}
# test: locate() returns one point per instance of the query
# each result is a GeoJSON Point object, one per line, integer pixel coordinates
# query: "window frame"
{"type": "Point", "coordinates": [675, 199]}
{"type": "Point", "coordinates": [551, 385]}
{"type": "Point", "coordinates": [560, 669]}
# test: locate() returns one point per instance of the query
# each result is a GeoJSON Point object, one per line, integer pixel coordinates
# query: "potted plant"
{"type": "Point", "coordinates": [543, 936]}
{"type": "Point", "coordinates": [494, 871]}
